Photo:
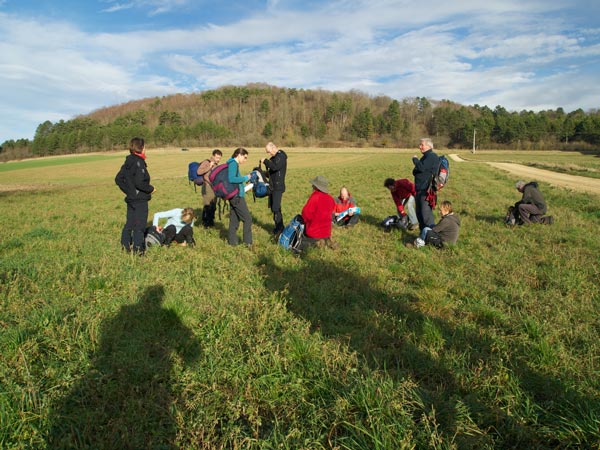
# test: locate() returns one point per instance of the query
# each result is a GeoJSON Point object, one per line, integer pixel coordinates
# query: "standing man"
{"type": "Point", "coordinates": [403, 194]}
{"type": "Point", "coordinates": [277, 167]}
{"type": "Point", "coordinates": [208, 196]}
{"type": "Point", "coordinates": [423, 172]}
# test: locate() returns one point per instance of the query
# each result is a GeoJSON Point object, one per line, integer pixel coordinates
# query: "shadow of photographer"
{"type": "Point", "coordinates": [125, 400]}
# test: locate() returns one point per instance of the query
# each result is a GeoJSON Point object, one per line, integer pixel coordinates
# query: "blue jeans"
{"type": "Point", "coordinates": [424, 232]}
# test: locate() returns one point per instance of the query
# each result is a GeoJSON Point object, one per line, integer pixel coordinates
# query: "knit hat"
{"type": "Point", "coordinates": [519, 185]}
{"type": "Point", "coordinates": [321, 184]}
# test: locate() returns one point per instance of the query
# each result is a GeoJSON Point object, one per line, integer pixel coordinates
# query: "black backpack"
{"type": "Point", "coordinates": [154, 238]}
{"type": "Point", "coordinates": [121, 179]}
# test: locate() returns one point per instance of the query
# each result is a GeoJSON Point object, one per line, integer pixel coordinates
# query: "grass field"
{"type": "Point", "coordinates": [492, 344]}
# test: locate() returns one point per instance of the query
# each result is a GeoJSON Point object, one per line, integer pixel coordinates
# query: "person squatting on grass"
{"type": "Point", "coordinates": [403, 194]}
{"type": "Point", "coordinates": [345, 202]}
{"type": "Point", "coordinates": [532, 206]}
{"type": "Point", "coordinates": [277, 168]}
{"type": "Point", "coordinates": [134, 180]}
{"type": "Point", "coordinates": [316, 215]}
{"type": "Point", "coordinates": [238, 207]}
{"type": "Point", "coordinates": [209, 200]}
{"type": "Point", "coordinates": [178, 227]}
{"type": "Point", "coordinates": [424, 172]}
{"type": "Point", "coordinates": [445, 232]}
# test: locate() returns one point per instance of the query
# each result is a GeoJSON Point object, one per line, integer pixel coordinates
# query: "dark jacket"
{"type": "Point", "coordinates": [425, 169]}
{"type": "Point", "coordinates": [531, 194]}
{"type": "Point", "coordinates": [448, 228]}
{"type": "Point", "coordinates": [134, 179]}
{"type": "Point", "coordinates": [277, 167]}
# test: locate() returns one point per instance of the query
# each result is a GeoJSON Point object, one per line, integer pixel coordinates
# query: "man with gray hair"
{"type": "Point", "coordinates": [277, 168]}
{"type": "Point", "coordinates": [423, 172]}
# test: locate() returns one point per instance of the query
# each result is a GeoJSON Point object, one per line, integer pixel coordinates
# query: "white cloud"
{"type": "Point", "coordinates": [154, 6]}
{"type": "Point", "coordinates": [505, 52]}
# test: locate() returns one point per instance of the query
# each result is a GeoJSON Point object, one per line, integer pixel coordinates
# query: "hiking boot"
{"type": "Point", "coordinates": [547, 220]}
{"type": "Point", "coordinates": [413, 226]}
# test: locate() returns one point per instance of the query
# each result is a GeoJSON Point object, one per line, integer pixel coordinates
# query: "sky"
{"type": "Point", "coordinates": [64, 58]}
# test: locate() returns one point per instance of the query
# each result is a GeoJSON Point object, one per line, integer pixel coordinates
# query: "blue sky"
{"type": "Point", "coordinates": [60, 59]}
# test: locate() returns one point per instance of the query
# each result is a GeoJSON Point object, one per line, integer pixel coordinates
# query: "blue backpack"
{"type": "Point", "coordinates": [219, 178]}
{"type": "Point", "coordinates": [440, 179]}
{"type": "Point", "coordinates": [193, 176]}
{"type": "Point", "coordinates": [292, 234]}
{"type": "Point", "coordinates": [260, 188]}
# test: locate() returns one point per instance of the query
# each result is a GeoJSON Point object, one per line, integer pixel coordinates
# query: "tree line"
{"type": "Point", "coordinates": [249, 115]}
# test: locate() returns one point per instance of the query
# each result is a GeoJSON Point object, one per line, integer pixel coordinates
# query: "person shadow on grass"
{"type": "Point", "coordinates": [392, 334]}
{"type": "Point", "coordinates": [126, 399]}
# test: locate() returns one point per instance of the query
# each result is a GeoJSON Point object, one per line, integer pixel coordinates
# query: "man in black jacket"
{"type": "Point", "coordinates": [134, 180]}
{"type": "Point", "coordinates": [277, 167]}
{"type": "Point", "coordinates": [423, 172]}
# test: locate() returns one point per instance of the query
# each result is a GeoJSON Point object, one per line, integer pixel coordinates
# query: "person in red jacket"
{"type": "Point", "coordinates": [343, 203]}
{"type": "Point", "coordinates": [403, 194]}
{"type": "Point", "coordinates": [316, 214]}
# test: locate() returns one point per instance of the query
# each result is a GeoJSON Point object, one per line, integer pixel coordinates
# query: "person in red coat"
{"type": "Point", "coordinates": [316, 214]}
{"type": "Point", "coordinates": [403, 194]}
{"type": "Point", "coordinates": [343, 203]}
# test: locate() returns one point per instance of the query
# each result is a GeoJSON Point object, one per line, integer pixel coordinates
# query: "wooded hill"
{"type": "Point", "coordinates": [249, 115]}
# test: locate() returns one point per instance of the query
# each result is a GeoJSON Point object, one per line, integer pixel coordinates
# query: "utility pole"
{"type": "Point", "coordinates": [474, 133]}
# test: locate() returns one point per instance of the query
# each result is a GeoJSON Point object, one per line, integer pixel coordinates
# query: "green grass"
{"type": "Point", "coordinates": [490, 344]}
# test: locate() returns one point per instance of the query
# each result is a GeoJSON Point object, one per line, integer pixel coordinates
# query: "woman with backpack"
{"type": "Point", "coordinates": [238, 210]}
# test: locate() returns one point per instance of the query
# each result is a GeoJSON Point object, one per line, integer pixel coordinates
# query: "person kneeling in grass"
{"type": "Point", "coordinates": [444, 232]}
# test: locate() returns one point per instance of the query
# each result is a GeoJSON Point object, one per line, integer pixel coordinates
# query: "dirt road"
{"type": "Point", "coordinates": [573, 182]}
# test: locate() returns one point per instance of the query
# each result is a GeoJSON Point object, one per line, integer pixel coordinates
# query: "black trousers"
{"type": "Point", "coordinates": [132, 236]}
{"type": "Point", "coordinates": [186, 234]}
{"type": "Point", "coordinates": [275, 198]}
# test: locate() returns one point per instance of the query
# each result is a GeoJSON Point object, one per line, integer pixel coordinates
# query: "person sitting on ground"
{"type": "Point", "coordinates": [532, 207]}
{"type": "Point", "coordinates": [403, 193]}
{"type": "Point", "coordinates": [444, 232]}
{"type": "Point", "coordinates": [316, 215]}
{"type": "Point", "coordinates": [178, 226]}
{"type": "Point", "coordinates": [345, 213]}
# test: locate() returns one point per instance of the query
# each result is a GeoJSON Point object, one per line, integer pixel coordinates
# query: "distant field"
{"type": "Point", "coordinates": [491, 344]}
{"type": "Point", "coordinates": [573, 163]}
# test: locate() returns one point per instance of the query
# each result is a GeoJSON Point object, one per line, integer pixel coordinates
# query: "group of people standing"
{"type": "Point", "coordinates": [134, 180]}
{"type": "Point", "coordinates": [414, 202]}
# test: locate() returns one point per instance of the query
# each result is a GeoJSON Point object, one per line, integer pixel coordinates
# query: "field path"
{"type": "Point", "coordinates": [574, 182]}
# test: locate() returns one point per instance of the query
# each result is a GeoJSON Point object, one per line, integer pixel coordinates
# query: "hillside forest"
{"type": "Point", "coordinates": [248, 115]}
